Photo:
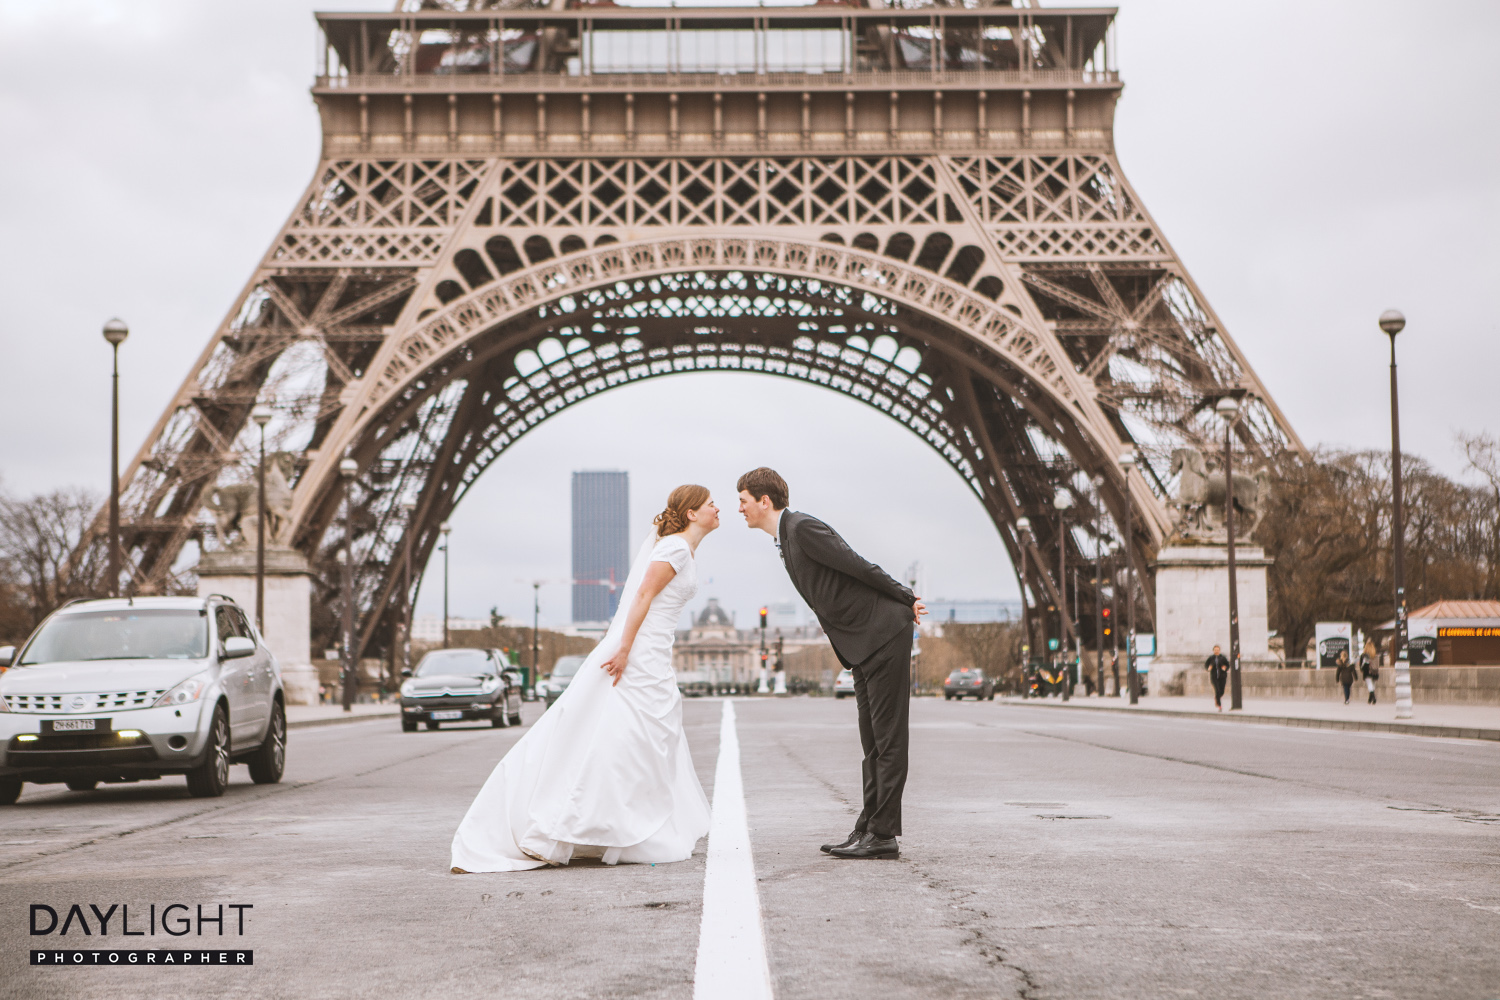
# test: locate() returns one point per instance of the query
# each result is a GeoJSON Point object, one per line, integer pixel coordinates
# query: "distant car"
{"type": "Point", "coordinates": [131, 689]}
{"type": "Point", "coordinates": [844, 685]}
{"type": "Point", "coordinates": [968, 682]}
{"type": "Point", "coordinates": [461, 685]}
{"type": "Point", "coordinates": [563, 672]}
{"type": "Point", "coordinates": [693, 684]}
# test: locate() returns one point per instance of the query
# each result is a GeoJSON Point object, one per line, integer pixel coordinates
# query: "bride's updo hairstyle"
{"type": "Point", "coordinates": [675, 517]}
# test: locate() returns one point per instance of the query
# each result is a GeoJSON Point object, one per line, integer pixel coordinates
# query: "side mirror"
{"type": "Point", "coordinates": [406, 672]}
{"type": "Point", "coordinates": [7, 655]}
{"type": "Point", "coordinates": [237, 646]}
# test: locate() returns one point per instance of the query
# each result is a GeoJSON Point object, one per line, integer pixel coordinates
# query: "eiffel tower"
{"type": "Point", "coordinates": [520, 207]}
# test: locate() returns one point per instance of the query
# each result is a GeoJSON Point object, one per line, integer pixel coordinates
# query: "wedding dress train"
{"type": "Point", "coordinates": [605, 772]}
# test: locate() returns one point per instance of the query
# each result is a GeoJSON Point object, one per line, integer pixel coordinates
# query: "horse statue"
{"type": "Point", "coordinates": [234, 506]}
{"type": "Point", "coordinates": [1200, 498]}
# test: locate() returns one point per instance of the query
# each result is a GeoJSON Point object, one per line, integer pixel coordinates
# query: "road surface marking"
{"type": "Point", "coordinates": [731, 943]}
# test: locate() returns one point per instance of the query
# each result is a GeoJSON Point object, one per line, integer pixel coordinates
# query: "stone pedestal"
{"type": "Point", "coordinates": [1192, 608]}
{"type": "Point", "coordinates": [288, 630]}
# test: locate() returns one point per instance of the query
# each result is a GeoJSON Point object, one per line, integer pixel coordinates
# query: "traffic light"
{"type": "Point", "coordinates": [763, 617]}
{"type": "Point", "coordinates": [1107, 629]}
{"type": "Point", "coordinates": [1052, 645]}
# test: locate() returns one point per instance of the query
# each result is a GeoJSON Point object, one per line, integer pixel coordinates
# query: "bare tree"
{"type": "Point", "coordinates": [994, 647]}
{"type": "Point", "coordinates": [37, 537]}
{"type": "Point", "coordinates": [1483, 454]}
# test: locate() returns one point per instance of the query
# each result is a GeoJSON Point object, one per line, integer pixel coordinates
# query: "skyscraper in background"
{"type": "Point", "coordinates": [601, 542]}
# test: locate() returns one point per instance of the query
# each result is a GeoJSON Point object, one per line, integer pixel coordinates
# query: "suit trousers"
{"type": "Point", "coordinates": [882, 692]}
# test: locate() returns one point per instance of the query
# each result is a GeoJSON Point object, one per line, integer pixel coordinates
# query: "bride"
{"type": "Point", "coordinates": [605, 773]}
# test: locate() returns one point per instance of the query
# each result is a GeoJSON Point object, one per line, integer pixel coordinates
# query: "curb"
{"type": "Point", "coordinates": [339, 720]}
{"type": "Point", "coordinates": [1406, 728]}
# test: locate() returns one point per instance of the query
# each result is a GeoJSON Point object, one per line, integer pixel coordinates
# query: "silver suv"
{"type": "Point", "coordinates": [135, 688]}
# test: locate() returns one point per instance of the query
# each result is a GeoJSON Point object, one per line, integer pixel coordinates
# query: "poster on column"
{"type": "Point", "coordinates": [1421, 642]}
{"type": "Point", "coordinates": [1333, 639]}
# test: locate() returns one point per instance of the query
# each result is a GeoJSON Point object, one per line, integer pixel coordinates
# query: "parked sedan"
{"type": "Point", "coordinates": [968, 682]}
{"type": "Point", "coordinates": [844, 685]}
{"type": "Point", "coordinates": [563, 672]}
{"type": "Point", "coordinates": [132, 689]}
{"type": "Point", "coordinates": [460, 685]}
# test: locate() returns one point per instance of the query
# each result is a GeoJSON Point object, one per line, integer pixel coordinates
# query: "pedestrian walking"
{"type": "Point", "coordinates": [1368, 668]}
{"type": "Point", "coordinates": [1114, 668]}
{"type": "Point", "coordinates": [1345, 674]}
{"type": "Point", "coordinates": [1217, 666]}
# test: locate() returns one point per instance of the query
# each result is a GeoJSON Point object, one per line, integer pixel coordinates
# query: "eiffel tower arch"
{"type": "Point", "coordinates": [517, 209]}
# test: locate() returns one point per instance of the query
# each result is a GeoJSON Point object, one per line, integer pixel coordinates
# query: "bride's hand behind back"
{"type": "Point", "coordinates": [615, 665]}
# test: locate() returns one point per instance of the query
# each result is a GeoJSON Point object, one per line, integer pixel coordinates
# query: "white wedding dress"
{"type": "Point", "coordinates": [605, 772]}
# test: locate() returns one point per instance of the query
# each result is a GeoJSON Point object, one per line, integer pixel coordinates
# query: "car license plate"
{"type": "Point", "coordinates": [440, 716]}
{"type": "Point", "coordinates": [72, 725]}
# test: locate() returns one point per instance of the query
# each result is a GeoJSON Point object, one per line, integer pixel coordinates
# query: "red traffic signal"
{"type": "Point", "coordinates": [1106, 612]}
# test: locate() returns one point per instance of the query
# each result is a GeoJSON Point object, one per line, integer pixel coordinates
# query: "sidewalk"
{"type": "Point", "coordinates": [1469, 722]}
{"type": "Point", "coordinates": [299, 716]}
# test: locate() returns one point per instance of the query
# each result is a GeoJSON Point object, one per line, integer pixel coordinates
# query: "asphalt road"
{"type": "Point", "coordinates": [1047, 854]}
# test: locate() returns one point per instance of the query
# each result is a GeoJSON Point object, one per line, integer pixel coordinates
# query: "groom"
{"type": "Point", "coordinates": [868, 618]}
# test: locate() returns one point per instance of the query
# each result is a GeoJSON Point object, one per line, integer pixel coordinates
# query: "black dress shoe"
{"type": "Point", "coordinates": [849, 841]}
{"type": "Point", "coordinates": [869, 846]}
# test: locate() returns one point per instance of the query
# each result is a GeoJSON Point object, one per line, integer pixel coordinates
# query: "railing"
{"type": "Point", "coordinates": [695, 143]}
{"type": "Point", "coordinates": [903, 79]}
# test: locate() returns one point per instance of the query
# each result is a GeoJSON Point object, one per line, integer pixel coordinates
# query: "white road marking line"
{"type": "Point", "coordinates": [731, 942]}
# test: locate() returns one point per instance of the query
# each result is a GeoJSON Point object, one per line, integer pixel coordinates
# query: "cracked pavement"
{"type": "Point", "coordinates": [1046, 855]}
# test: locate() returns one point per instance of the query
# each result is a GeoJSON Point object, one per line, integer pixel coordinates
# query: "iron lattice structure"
{"type": "Point", "coordinates": [519, 208]}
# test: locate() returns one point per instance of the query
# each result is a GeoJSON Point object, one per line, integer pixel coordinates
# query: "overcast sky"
{"type": "Point", "coordinates": [1313, 163]}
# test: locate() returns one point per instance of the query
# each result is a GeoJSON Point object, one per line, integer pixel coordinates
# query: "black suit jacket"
{"type": "Point", "coordinates": [858, 604]}
{"type": "Point", "coordinates": [1218, 666]}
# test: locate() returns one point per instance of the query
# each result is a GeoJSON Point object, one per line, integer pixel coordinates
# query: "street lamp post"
{"type": "Point", "coordinates": [536, 632]}
{"type": "Point", "coordinates": [445, 528]}
{"type": "Point", "coordinates": [1023, 534]}
{"type": "Point", "coordinates": [1114, 616]}
{"type": "Point", "coordinates": [115, 331]}
{"type": "Point", "coordinates": [1229, 408]}
{"type": "Point", "coordinates": [1062, 502]}
{"type": "Point", "coordinates": [410, 507]}
{"type": "Point", "coordinates": [262, 416]}
{"type": "Point", "coordinates": [1132, 679]}
{"type": "Point", "coordinates": [1099, 581]}
{"type": "Point", "coordinates": [348, 469]}
{"type": "Point", "coordinates": [1392, 323]}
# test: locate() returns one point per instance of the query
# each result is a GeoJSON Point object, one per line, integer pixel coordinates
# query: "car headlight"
{"type": "Point", "coordinates": [489, 684]}
{"type": "Point", "coordinates": [406, 690]}
{"type": "Point", "coordinates": [188, 691]}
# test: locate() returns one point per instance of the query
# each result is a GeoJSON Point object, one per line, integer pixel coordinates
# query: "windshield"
{"type": "Point", "coordinates": [456, 661]}
{"type": "Point", "coordinates": [567, 666]}
{"type": "Point", "coordinates": [963, 673]}
{"type": "Point", "coordinates": [177, 634]}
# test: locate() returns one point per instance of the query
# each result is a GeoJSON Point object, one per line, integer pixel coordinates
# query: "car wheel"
{"type": "Point", "coordinates": [992, 696]}
{"type": "Point", "coordinates": [432, 725]}
{"type": "Point", "coordinates": [408, 727]}
{"type": "Point", "coordinates": [81, 785]}
{"type": "Point", "coordinates": [209, 779]}
{"type": "Point", "coordinates": [10, 790]}
{"type": "Point", "coordinates": [269, 762]}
